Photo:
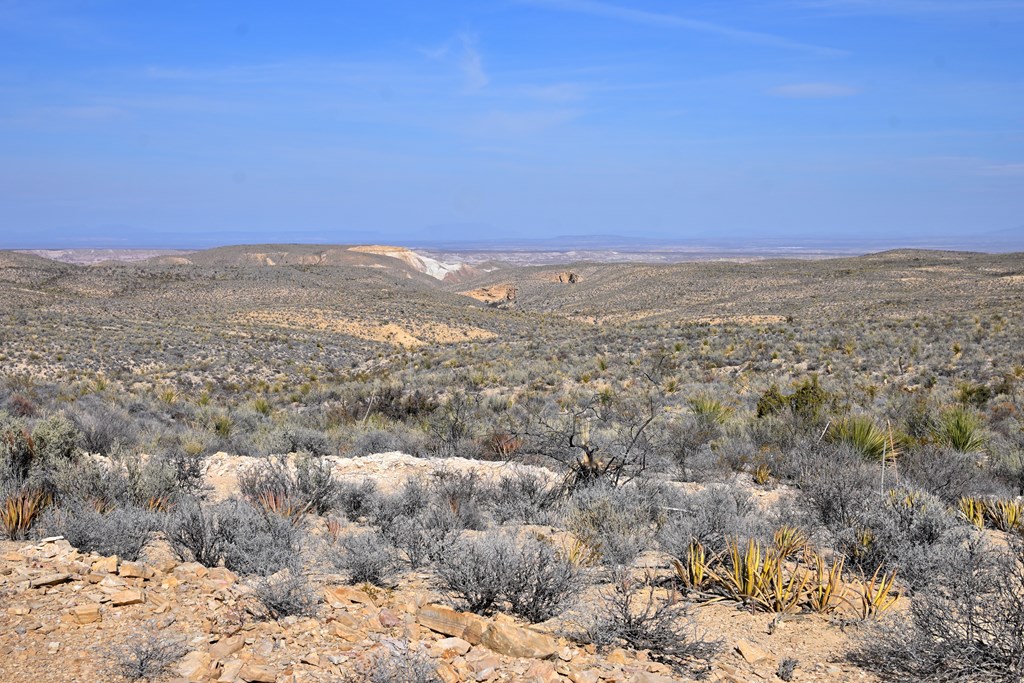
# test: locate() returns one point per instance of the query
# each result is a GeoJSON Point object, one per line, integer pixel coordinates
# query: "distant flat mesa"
{"type": "Point", "coordinates": [89, 257]}
{"type": "Point", "coordinates": [395, 259]}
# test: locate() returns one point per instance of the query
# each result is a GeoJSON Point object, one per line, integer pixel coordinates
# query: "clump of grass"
{"type": "Point", "coordinates": [709, 407]}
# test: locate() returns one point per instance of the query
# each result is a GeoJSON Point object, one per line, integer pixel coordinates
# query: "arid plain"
{"type": "Point", "coordinates": [362, 463]}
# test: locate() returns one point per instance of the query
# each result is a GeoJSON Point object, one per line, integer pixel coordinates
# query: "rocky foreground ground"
{"type": "Point", "coordinates": [68, 616]}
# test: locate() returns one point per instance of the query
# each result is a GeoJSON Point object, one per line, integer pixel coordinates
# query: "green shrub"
{"type": "Point", "coordinates": [807, 402]}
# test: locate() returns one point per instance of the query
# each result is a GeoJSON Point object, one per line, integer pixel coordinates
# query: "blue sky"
{"type": "Point", "coordinates": [195, 123]}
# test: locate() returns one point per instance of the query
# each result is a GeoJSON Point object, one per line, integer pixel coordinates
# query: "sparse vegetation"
{"type": "Point", "coordinates": [819, 449]}
{"type": "Point", "coordinates": [146, 656]}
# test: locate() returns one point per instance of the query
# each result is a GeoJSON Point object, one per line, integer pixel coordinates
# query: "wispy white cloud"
{"type": "Point", "coordinates": [462, 50]}
{"type": "Point", "coordinates": [471, 64]}
{"type": "Point", "coordinates": [814, 91]}
{"type": "Point", "coordinates": [637, 16]}
{"type": "Point", "coordinates": [912, 6]}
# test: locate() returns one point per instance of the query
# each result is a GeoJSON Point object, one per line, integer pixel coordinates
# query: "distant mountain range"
{"type": "Point", "coordinates": [1011, 239]}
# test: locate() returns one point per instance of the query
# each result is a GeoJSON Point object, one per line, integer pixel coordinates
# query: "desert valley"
{"type": "Point", "coordinates": [300, 463]}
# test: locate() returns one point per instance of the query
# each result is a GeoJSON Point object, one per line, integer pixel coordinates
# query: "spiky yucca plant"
{"type": "Point", "coordinates": [284, 505]}
{"type": "Point", "coordinates": [158, 504]}
{"type": "Point", "coordinates": [789, 540]}
{"type": "Point", "coordinates": [579, 554]}
{"type": "Point", "coordinates": [865, 436]}
{"type": "Point", "coordinates": [960, 429]}
{"type": "Point", "coordinates": [334, 528]}
{"type": "Point", "coordinates": [746, 570]}
{"type": "Point", "coordinates": [762, 474]}
{"type": "Point", "coordinates": [782, 593]}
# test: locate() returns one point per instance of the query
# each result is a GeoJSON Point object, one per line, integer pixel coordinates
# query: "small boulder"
{"type": "Point", "coordinates": [388, 619]}
{"type": "Point", "coordinates": [50, 580]}
{"type": "Point", "coordinates": [258, 673]}
{"type": "Point", "coordinates": [226, 647]}
{"type": "Point", "coordinates": [751, 653]}
{"type": "Point", "coordinates": [136, 570]}
{"type": "Point", "coordinates": [457, 646]}
{"type": "Point", "coordinates": [514, 641]}
{"type": "Point", "coordinates": [449, 622]}
{"type": "Point", "coordinates": [340, 596]}
{"type": "Point", "coordinates": [105, 565]}
{"type": "Point", "coordinates": [86, 614]}
{"type": "Point", "coordinates": [129, 597]}
{"type": "Point", "coordinates": [229, 672]}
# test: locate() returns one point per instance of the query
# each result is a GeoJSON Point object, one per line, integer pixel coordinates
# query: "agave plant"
{"type": "Point", "coordinates": [747, 571]}
{"type": "Point", "coordinates": [694, 573]}
{"type": "Point", "coordinates": [826, 590]}
{"type": "Point", "coordinates": [877, 594]}
{"type": "Point", "coordinates": [782, 593]}
{"type": "Point", "coordinates": [1005, 515]}
{"type": "Point", "coordinates": [20, 512]}
{"type": "Point", "coordinates": [973, 510]}
{"type": "Point", "coordinates": [789, 540]}
{"type": "Point", "coordinates": [284, 505]}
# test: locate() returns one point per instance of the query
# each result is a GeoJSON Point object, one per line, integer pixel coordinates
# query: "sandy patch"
{"type": "Point", "coordinates": [409, 334]}
{"type": "Point", "coordinates": [742, 320]}
{"type": "Point", "coordinates": [388, 470]}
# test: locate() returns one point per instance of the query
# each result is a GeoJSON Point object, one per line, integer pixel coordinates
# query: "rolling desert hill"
{"type": "Point", "coordinates": [321, 310]}
{"type": "Point", "coordinates": [895, 283]}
